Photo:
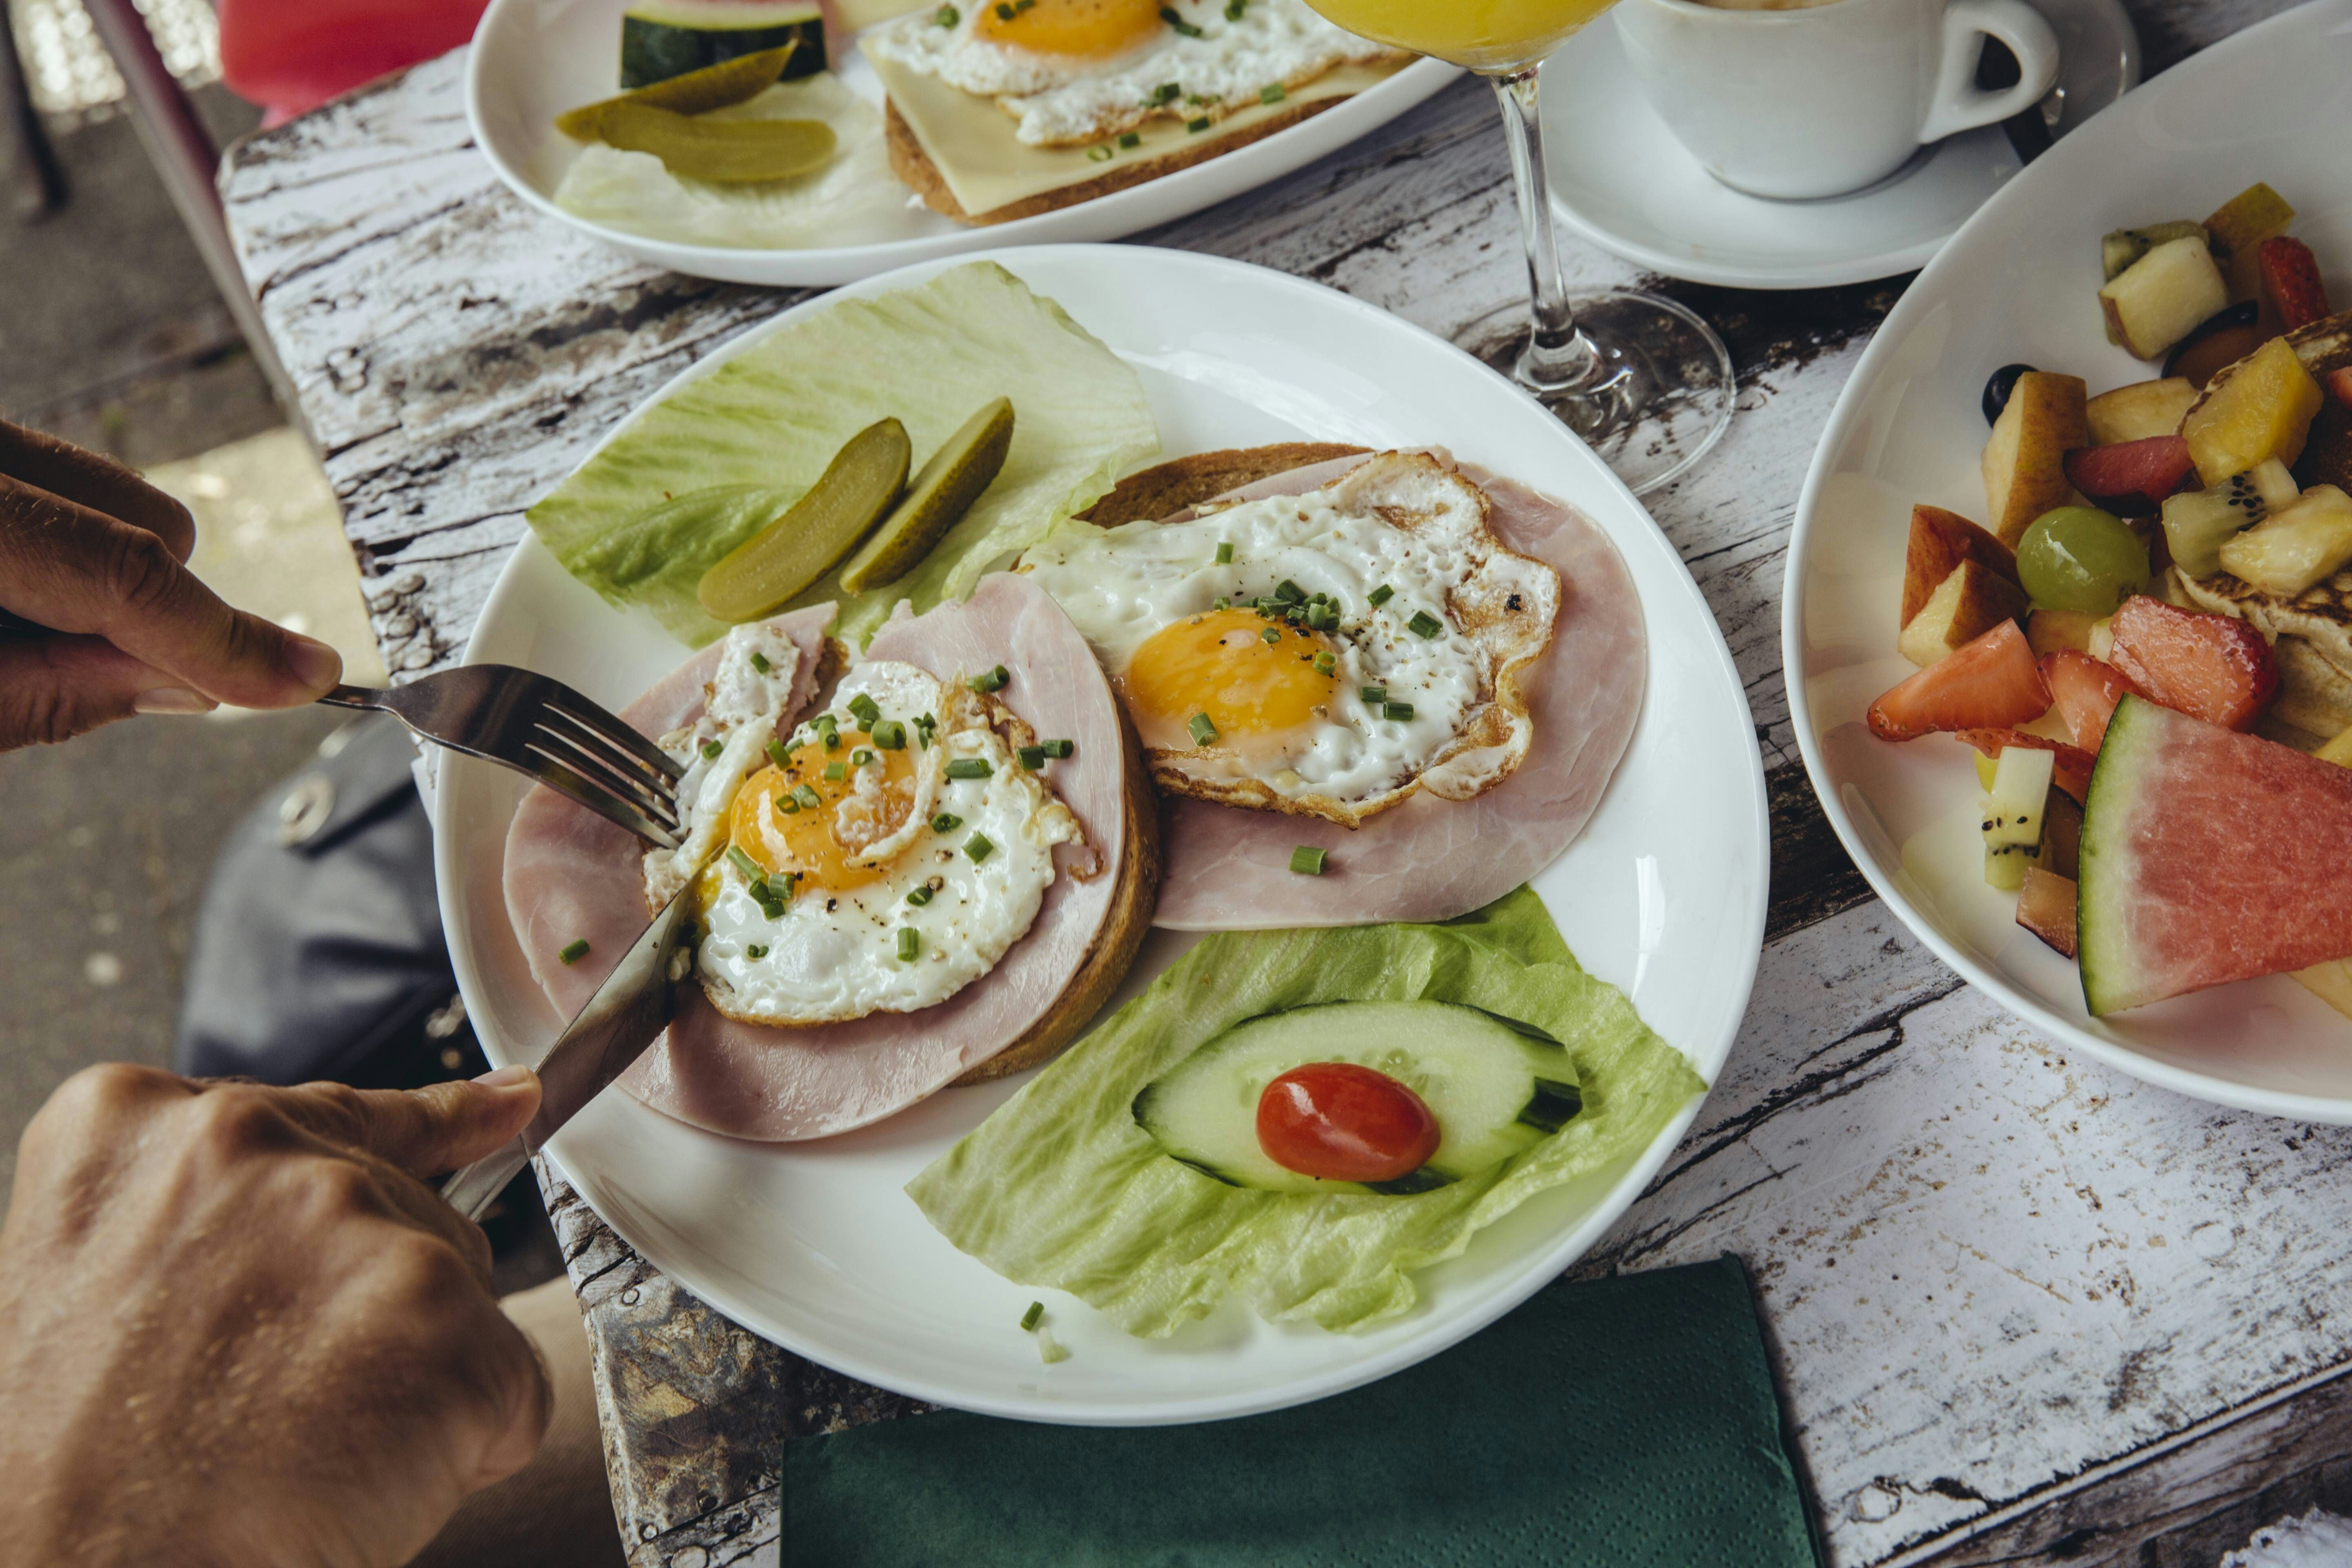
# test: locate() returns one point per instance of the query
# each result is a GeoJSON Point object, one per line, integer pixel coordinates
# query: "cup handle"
{"type": "Point", "coordinates": [1960, 104]}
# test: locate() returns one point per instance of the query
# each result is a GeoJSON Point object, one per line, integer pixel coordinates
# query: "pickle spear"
{"type": "Point", "coordinates": [713, 87]}
{"type": "Point", "coordinates": [942, 492]}
{"type": "Point", "coordinates": [723, 151]}
{"type": "Point", "coordinates": [856, 489]}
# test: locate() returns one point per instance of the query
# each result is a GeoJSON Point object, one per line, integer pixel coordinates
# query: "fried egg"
{"type": "Point", "coordinates": [876, 859]}
{"type": "Point", "coordinates": [1325, 654]}
{"type": "Point", "coordinates": [1080, 70]}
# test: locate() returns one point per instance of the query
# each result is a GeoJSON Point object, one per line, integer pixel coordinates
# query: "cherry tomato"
{"type": "Point", "coordinates": [1344, 1124]}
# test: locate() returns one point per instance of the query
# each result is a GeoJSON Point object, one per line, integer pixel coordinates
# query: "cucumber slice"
{"type": "Point", "coordinates": [663, 38]}
{"type": "Point", "coordinates": [1495, 1086]}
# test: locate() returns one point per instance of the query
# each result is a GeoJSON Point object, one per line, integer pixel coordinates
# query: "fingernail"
{"type": "Point", "coordinates": [509, 1077]}
{"type": "Point", "coordinates": [171, 699]}
{"type": "Point", "coordinates": [313, 663]}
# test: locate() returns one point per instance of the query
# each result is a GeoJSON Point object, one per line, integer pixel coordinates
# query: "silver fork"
{"type": "Point", "coordinates": [540, 727]}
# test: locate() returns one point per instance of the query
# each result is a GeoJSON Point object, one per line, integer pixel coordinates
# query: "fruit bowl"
{"type": "Point", "coordinates": [2020, 283]}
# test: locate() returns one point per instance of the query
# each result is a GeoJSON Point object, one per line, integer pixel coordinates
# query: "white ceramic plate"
{"type": "Point", "coordinates": [1619, 179]}
{"type": "Point", "coordinates": [533, 60]}
{"type": "Point", "coordinates": [815, 1244]}
{"type": "Point", "coordinates": [2018, 283]}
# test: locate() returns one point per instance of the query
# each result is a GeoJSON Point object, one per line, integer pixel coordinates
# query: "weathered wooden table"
{"type": "Point", "coordinates": [2025, 1309]}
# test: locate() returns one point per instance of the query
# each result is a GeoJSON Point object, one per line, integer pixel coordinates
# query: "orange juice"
{"type": "Point", "coordinates": [1484, 35]}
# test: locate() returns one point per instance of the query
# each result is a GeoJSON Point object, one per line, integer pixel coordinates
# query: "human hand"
{"type": "Point", "coordinates": [240, 1333]}
{"type": "Point", "coordinates": [94, 551]}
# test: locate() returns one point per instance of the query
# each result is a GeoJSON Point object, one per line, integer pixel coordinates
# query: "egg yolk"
{"type": "Point", "coordinates": [1222, 664]}
{"type": "Point", "coordinates": [1080, 29]}
{"type": "Point", "coordinates": [802, 842]}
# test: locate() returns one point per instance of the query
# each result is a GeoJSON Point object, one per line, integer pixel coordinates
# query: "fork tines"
{"type": "Point", "coordinates": [608, 768]}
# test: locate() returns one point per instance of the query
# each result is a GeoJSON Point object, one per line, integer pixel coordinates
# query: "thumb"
{"type": "Point", "coordinates": [424, 1131]}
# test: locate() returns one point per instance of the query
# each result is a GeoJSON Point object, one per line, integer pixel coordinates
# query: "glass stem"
{"type": "Point", "coordinates": [1559, 357]}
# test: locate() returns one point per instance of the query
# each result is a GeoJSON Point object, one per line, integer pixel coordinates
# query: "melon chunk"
{"type": "Point", "coordinates": [2163, 297]}
{"type": "Point", "coordinates": [2134, 413]}
{"type": "Point", "coordinates": [2215, 667]}
{"type": "Point", "coordinates": [1991, 684]}
{"type": "Point", "coordinates": [2261, 409]}
{"type": "Point", "coordinates": [2206, 857]}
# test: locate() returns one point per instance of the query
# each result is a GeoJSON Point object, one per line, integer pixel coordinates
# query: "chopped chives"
{"type": "Point", "coordinates": [1166, 92]}
{"type": "Point", "coordinates": [778, 755]}
{"type": "Point", "coordinates": [1060, 750]}
{"type": "Point", "coordinates": [1033, 1317]}
{"type": "Point", "coordinates": [575, 950]}
{"type": "Point", "coordinates": [925, 728]}
{"type": "Point", "coordinates": [979, 847]}
{"type": "Point", "coordinates": [759, 662]}
{"type": "Point", "coordinates": [1272, 94]}
{"type": "Point", "coordinates": [1324, 662]}
{"type": "Point", "coordinates": [1201, 124]}
{"type": "Point", "coordinates": [832, 738]}
{"type": "Point", "coordinates": [1167, 14]}
{"type": "Point", "coordinates": [1290, 591]}
{"type": "Point", "coordinates": [947, 16]}
{"type": "Point", "coordinates": [1373, 696]}
{"type": "Point", "coordinates": [745, 864]}
{"type": "Point", "coordinates": [891, 735]}
{"type": "Point", "coordinates": [921, 896]}
{"type": "Point", "coordinates": [1400, 711]}
{"type": "Point", "coordinates": [1234, 9]}
{"type": "Point", "coordinates": [991, 679]}
{"type": "Point", "coordinates": [1225, 553]}
{"type": "Point", "coordinates": [787, 806]}
{"type": "Point", "coordinates": [1424, 624]}
{"type": "Point", "coordinates": [807, 797]}
{"type": "Point", "coordinates": [1203, 729]}
{"type": "Point", "coordinates": [1220, 602]}
{"type": "Point", "coordinates": [860, 757]}
{"type": "Point", "coordinates": [1098, 154]}
{"type": "Point", "coordinates": [835, 772]}
{"type": "Point", "coordinates": [710, 749]}
{"type": "Point", "coordinates": [969, 768]}
{"type": "Point", "coordinates": [911, 944]}
{"type": "Point", "coordinates": [1270, 635]}
{"type": "Point", "coordinates": [825, 721]}
{"type": "Point", "coordinates": [946, 822]}
{"type": "Point", "coordinates": [1382, 595]}
{"type": "Point", "coordinates": [863, 707]}
{"type": "Point", "coordinates": [1003, 11]}
{"type": "Point", "coordinates": [755, 950]}
{"type": "Point", "coordinates": [1032, 757]}
{"type": "Point", "coordinates": [1130, 139]}
{"type": "Point", "coordinates": [1307, 860]}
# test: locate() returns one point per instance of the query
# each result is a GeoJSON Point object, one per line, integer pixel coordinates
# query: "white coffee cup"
{"type": "Point", "coordinates": [1829, 97]}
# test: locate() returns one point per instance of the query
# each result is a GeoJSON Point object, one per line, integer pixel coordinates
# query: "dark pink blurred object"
{"type": "Point", "coordinates": [290, 58]}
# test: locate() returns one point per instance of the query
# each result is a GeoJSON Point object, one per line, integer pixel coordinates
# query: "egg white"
{"type": "Point", "coordinates": [1058, 99]}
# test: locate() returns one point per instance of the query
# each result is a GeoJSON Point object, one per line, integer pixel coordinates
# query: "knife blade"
{"type": "Point", "coordinates": [607, 1036]}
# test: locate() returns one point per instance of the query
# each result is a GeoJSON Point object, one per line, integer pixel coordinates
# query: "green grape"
{"type": "Point", "coordinates": [2080, 558]}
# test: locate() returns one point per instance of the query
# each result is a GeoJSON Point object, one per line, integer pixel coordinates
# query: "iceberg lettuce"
{"type": "Point", "coordinates": [1061, 1188]}
{"type": "Point", "coordinates": [642, 520]}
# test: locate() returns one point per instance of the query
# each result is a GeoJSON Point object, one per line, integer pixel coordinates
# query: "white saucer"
{"type": "Point", "coordinates": [1619, 179]}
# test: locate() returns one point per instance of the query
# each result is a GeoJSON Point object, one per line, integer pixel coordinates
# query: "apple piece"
{"type": "Point", "coordinates": [2137, 412]}
{"type": "Point", "coordinates": [2261, 409]}
{"type": "Point", "coordinates": [2131, 477]}
{"type": "Point", "coordinates": [1989, 684]}
{"type": "Point", "coordinates": [2047, 631]}
{"type": "Point", "coordinates": [2297, 546]}
{"type": "Point", "coordinates": [2122, 247]}
{"type": "Point", "coordinates": [2237, 229]}
{"type": "Point", "coordinates": [1970, 602]}
{"type": "Point", "coordinates": [2025, 460]}
{"type": "Point", "coordinates": [1940, 542]}
{"type": "Point", "coordinates": [2163, 297]}
{"type": "Point", "coordinates": [2293, 294]}
{"type": "Point", "coordinates": [2045, 906]}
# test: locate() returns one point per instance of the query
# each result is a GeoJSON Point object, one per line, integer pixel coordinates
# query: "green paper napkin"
{"type": "Point", "coordinates": [1625, 1422]}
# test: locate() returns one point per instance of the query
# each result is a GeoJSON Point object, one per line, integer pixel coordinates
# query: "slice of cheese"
{"type": "Point", "coordinates": [857, 16]}
{"type": "Point", "coordinates": [986, 166]}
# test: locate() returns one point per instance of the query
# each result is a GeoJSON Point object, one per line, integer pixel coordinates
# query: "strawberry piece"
{"type": "Point", "coordinates": [2210, 666]}
{"type": "Point", "coordinates": [2084, 692]}
{"type": "Point", "coordinates": [1990, 683]}
{"type": "Point", "coordinates": [2339, 382]}
{"type": "Point", "coordinates": [2073, 765]}
{"type": "Point", "coordinates": [2045, 906]}
{"type": "Point", "coordinates": [2291, 285]}
{"type": "Point", "coordinates": [2131, 477]}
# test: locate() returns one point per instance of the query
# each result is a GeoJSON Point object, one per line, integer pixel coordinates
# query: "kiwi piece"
{"type": "Point", "coordinates": [865, 477]}
{"type": "Point", "coordinates": [2119, 249]}
{"type": "Point", "coordinates": [722, 152]}
{"type": "Point", "coordinates": [697, 92]}
{"type": "Point", "coordinates": [941, 493]}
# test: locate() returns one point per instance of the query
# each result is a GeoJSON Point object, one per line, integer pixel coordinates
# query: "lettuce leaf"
{"type": "Point", "coordinates": [643, 519]}
{"type": "Point", "coordinates": [1061, 1188]}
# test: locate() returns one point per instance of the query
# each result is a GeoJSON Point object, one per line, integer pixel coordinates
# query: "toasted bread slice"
{"type": "Point", "coordinates": [2310, 633]}
{"type": "Point", "coordinates": [1167, 488]}
{"type": "Point", "coordinates": [914, 166]}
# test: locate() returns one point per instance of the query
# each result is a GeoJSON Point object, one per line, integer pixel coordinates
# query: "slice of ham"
{"type": "Point", "coordinates": [1428, 859]}
{"type": "Point", "coordinates": [748, 1080]}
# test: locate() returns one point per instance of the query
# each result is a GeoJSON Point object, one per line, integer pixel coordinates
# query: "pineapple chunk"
{"type": "Point", "coordinates": [2137, 412]}
{"type": "Point", "coordinates": [2296, 546]}
{"type": "Point", "coordinates": [2237, 230]}
{"type": "Point", "coordinates": [2337, 751]}
{"type": "Point", "coordinates": [1970, 602]}
{"type": "Point", "coordinates": [2025, 460]}
{"type": "Point", "coordinates": [2163, 297]}
{"type": "Point", "coordinates": [2262, 409]}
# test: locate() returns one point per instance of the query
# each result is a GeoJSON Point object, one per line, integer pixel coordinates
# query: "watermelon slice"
{"type": "Point", "coordinates": [2206, 857]}
{"type": "Point", "coordinates": [1990, 683]}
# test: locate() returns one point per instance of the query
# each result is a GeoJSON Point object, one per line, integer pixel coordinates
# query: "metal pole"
{"type": "Point", "coordinates": [28, 163]}
{"type": "Point", "coordinates": [183, 152]}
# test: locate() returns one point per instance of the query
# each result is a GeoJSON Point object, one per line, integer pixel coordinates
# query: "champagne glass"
{"type": "Point", "coordinates": [1641, 378]}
